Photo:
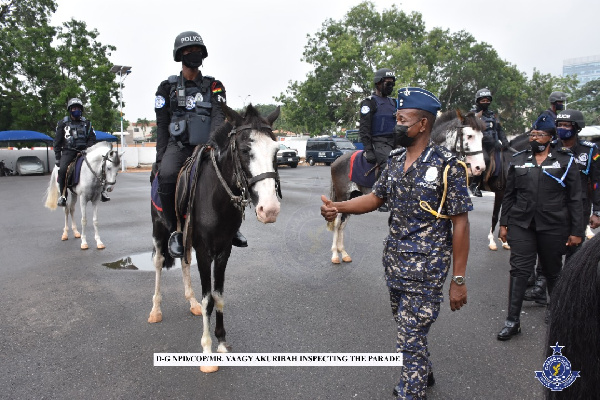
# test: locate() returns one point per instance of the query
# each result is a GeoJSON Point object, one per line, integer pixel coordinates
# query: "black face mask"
{"type": "Point", "coordinates": [387, 89]}
{"type": "Point", "coordinates": [193, 60]}
{"type": "Point", "coordinates": [484, 106]}
{"type": "Point", "coordinates": [559, 107]}
{"type": "Point", "coordinates": [401, 138]}
{"type": "Point", "coordinates": [538, 147]}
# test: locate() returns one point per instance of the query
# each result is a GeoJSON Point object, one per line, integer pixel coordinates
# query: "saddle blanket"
{"type": "Point", "coordinates": [361, 171]}
{"type": "Point", "coordinates": [155, 197]}
{"type": "Point", "coordinates": [73, 179]}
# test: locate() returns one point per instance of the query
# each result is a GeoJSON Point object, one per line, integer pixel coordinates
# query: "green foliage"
{"type": "Point", "coordinates": [43, 66]}
{"type": "Point", "coordinates": [344, 55]}
{"type": "Point", "coordinates": [587, 100]}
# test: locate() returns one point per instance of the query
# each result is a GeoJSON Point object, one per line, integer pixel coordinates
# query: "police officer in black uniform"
{"type": "Point", "coordinates": [187, 111]}
{"type": "Point", "coordinates": [493, 135]}
{"type": "Point", "coordinates": [378, 118]}
{"type": "Point", "coordinates": [557, 100]}
{"type": "Point", "coordinates": [541, 215]}
{"type": "Point", "coordinates": [73, 134]}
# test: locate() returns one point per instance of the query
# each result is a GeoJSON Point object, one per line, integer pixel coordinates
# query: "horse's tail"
{"type": "Point", "coordinates": [331, 224]}
{"type": "Point", "coordinates": [52, 191]}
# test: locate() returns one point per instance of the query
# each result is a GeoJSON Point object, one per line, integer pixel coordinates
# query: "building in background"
{"type": "Point", "coordinates": [586, 68]}
{"type": "Point", "coordinates": [139, 133]}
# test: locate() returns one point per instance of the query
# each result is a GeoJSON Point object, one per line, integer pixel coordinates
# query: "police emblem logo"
{"type": "Point", "coordinates": [583, 157]}
{"type": "Point", "coordinates": [556, 164]}
{"type": "Point", "coordinates": [406, 92]}
{"type": "Point", "coordinates": [557, 374]}
{"type": "Point", "coordinates": [190, 102]}
{"type": "Point", "coordinates": [159, 102]}
{"type": "Point", "coordinates": [431, 174]}
{"type": "Point", "coordinates": [365, 109]}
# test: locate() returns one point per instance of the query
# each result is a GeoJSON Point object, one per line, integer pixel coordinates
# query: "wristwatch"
{"type": "Point", "coordinates": [459, 280]}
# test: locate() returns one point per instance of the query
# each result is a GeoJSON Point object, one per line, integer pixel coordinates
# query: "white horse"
{"type": "Point", "coordinates": [461, 134]}
{"type": "Point", "coordinates": [98, 172]}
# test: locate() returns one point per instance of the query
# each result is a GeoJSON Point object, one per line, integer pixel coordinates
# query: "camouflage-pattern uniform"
{"type": "Point", "coordinates": [418, 251]}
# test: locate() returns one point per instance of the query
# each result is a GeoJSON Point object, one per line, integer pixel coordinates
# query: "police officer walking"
{"type": "Point", "coordinates": [493, 135]}
{"type": "Point", "coordinates": [73, 134]}
{"type": "Point", "coordinates": [378, 118]}
{"type": "Point", "coordinates": [541, 215]}
{"type": "Point", "coordinates": [187, 111]}
{"type": "Point", "coordinates": [421, 240]}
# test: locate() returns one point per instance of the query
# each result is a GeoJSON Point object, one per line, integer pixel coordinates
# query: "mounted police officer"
{"type": "Point", "coordinates": [541, 215]}
{"type": "Point", "coordinates": [557, 100]}
{"type": "Point", "coordinates": [426, 232]}
{"type": "Point", "coordinates": [493, 135]}
{"type": "Point", "coordinates": [187, 111]}
{"type": "Point", "coordinates": [73, 134]}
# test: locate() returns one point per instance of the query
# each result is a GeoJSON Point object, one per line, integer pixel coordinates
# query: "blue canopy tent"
{"type": "Point", "coordinates": [28, 136]}
{"type": "Point", "coordinates": [105, 137]}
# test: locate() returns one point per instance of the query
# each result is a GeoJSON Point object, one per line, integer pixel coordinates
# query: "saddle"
{"type": "Point", "coordinates": [362, 172]}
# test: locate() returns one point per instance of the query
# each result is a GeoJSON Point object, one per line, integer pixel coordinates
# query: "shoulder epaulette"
{"type": "Point", "coordinates": [588, 144]}
{"type": "Point", "coordinates": [444, 153]}
{"type": "Point", "coordinates": [520, 152]}
{"type": "Point", "coordinates": [66, 119]}
{"type": "Point", "coordinates": [397, 152]}
{"type": "Point", "coordinates": [172, 79]}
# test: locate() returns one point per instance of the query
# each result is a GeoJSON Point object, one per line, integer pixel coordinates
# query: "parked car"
{"type": "Point", "coordinates": [327, 149]}
{"type": "Point", "coordinates": [29, 165]}
{"type": "Point", "coordinates": [287, 156]}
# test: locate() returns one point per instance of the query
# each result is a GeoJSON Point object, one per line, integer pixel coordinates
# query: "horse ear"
{"type": "Point", "coordinates": [479, 114]}
{"type": "Point", "coordinates": [460, 116]}
{"type": "Point", "coordinates": [232, 116]}
{"type": "Point", "coordinates": [274, 115]}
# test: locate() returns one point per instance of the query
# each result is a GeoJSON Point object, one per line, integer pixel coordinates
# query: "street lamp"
{"type": "Point", "coordinates": [583, 98]}
{"type": "Point", "coordinates": [245, 98]}
{"type": "Point", "coordinates": [120, 70]}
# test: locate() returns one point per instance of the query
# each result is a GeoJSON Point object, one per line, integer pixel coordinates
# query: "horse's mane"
{"type": "Point", "coordinates": [220, 136]}
{"type": "Point", "coordinates": [449, 120]}
{"type": "Point", "coordinates": [575, 319]}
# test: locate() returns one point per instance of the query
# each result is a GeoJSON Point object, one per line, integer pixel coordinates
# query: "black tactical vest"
{"type": "Point", "coordinates": [76, 133]}
{"type": "Point", "coordinates": [190, 111]}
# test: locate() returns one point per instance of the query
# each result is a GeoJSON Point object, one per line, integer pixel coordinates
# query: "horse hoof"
{"type": "Point", "coordinates": [196, 310]}
{"type": "Point", "coordinates": [335, 260]}
{"type": "Point", "coordinates": [155, 317]}
{"type": "Point", "coordinates": [347, 259]}
{"type": "Point", "coordinates": [84, 246]}
{"type": "Point", "coordinates": [493, 247]}
{"type": "Point", "coordinates": [77, 235]}
{"type": "Point", "coordinates": [209, 369]}
{"type": "Point", "coordinates": [64, 237]}
{"type": "Point", "coordinates": [101, 246]}
{"type": "Point", "coordinates": [505, 246]}
{"type": "Point", "coordinates": [223, 348]}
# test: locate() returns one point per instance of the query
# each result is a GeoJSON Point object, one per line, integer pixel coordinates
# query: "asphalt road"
{"type": "Point", "coordinates": [72, 328]}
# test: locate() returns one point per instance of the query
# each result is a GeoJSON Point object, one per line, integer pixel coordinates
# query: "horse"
{"type": "Point", "coordinates": [494, 180]}
{"type": "Point", "coordinates": [461, 134]}
{"type": "Point", "coordinates": [98, 172]}
{"type": "Point", "coordinates": [237, 168]}
{"type": "Point", "coordinates": [575, 320]}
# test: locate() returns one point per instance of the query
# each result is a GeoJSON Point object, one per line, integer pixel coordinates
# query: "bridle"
{"type": "Point", "coordinates": [459, 145]}
{"type": "Point", "coordinates": [241, 180]}
{"type": "Point", "coordinates": [102, 177]}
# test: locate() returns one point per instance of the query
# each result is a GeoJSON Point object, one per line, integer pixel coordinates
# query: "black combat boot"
{"type": "Point", "coordinates": [175, 245]}
{"type": "Point", "coordinates": [239, 240]}
{"type": "Point", "coordinates": [537, 292]}
{"type": "Point", "coordinates": [551, 282]}
{"type": "Point", "coordinates": [474, 186]}
{"type": "Point", "coordinates": [512, 325]}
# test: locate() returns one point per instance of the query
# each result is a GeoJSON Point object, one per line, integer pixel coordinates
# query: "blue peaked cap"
{"type": "Point", "coordinates": [420, 99]}
{"type": "Point", "coordinates": [543, 123]}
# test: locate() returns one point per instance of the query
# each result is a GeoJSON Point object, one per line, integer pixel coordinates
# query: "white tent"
{"type": "Point", "coordinates": [590, 132]}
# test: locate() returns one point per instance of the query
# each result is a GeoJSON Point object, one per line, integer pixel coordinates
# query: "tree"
{"type": "Point", "coordinates": [43, 66]}
{"type": "Point", "coordinates": [587, 100]}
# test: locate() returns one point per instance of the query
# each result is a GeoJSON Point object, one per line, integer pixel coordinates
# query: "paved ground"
{"type": "Point", "coordinates": [72, 328]}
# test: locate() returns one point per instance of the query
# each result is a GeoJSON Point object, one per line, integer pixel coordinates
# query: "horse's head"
{"type": "Point", "coordinates": [462, 135]}
{"type": "Point", "coordinates": [105, 163]}
{"type": "Point", "coordinates": [256, 150]}
{"type": "Point", "coordinates": [113, 162]}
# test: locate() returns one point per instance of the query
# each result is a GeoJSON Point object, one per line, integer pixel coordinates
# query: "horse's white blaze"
{"type": "Point", "coordinates": [472, 143]}
{"type": "Point", "coordinates": [263, 152]}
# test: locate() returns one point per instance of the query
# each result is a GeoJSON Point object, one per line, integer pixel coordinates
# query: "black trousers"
{"type": "Point", "coordinates": [66, 157]}
{"type": "Point", "coordinates": [171, 163]}
{"type": "Point", "coordinates": [526, 245]}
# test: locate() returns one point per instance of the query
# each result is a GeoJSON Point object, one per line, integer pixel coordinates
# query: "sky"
{"type": "Point", "coordinates": [255, 47]}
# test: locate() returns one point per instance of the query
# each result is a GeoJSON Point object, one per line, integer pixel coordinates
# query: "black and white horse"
{"type": "Point", "coordinates": [239, 168]}
{"type": "Point", "coordinates": [461, 134]}
{"type": "Point", "coordinates": [575, 321]}
{"type": "Point", "coordinates": [98, 173]}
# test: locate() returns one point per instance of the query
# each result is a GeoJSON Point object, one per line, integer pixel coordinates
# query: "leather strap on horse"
{"type": "Point", "coordinates": [425, 206]}
{"type": "Point", "coordinates": [194, 159]}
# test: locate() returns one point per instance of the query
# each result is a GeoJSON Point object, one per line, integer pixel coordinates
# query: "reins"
{"type": "Point", "coordinates": [102, 177]}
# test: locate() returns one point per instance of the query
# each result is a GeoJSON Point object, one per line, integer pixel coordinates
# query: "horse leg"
{"type": "Point", "coordinates": [340, 244]}
{"type": "Point", "coordinates": [190, 296]}
{"type": "Point", "coordinates": [65, 235]}
{"type": "Point", "coordinates": [158, 261]}
{"type": "Point", "coordinates": [492, 244]}
{"type": "Point", "coordinates": [207, 303]}
{"type": "Point", "coordinates": [99, 244]}
{"type": "Point", "coordinates": [219, 276]}
{"type": "Point", "coordinates": [335, 259]}
{"type": "Point", "coordinates": [84, 245]}
{"type": "Point", "coordinates": [72, 212]}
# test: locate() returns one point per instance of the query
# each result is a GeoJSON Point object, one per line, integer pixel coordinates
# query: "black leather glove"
{"type": "Point", "coordinates": [370, 156]}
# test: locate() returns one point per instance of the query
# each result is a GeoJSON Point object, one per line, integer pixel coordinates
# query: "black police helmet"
{"type": "Point", "coordinates": [186, 39]}
{"type": "Point", "coordinates": [485, 92]}
{"type": "Point", "coordinates": [382, 73]}
{"type": "Point", "coordinates": [557, 96]}
{"type": "Point", "coordinates": [573, 116]}
{"type": "Point", "coordinates": [74, 102]}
